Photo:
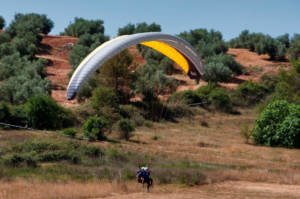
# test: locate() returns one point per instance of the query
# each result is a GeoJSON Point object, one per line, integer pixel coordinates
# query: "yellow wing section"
{"type": "Point", "coordinates": [169, 52]}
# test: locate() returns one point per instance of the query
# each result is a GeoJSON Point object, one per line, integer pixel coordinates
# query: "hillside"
{"type": "Point", "coordinates": [208, 142]}
{"type": "Point", "coordinates": [52, 49]}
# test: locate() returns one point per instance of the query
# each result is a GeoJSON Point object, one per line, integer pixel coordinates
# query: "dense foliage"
{"type": "Point", "coordinates": [276, 48]}
{"type": "Point", "coordinates": [278, 125]}
{"type": "Point", "coordinates": [216, 72]}
{"type": "Point", "coordinates": [44, 113]}
{"type": "Point", "coordinates": [227, 60]}
{"type": "Point", "coordinates": [34, 23]}
{"type": "Point", "coordinates": [125, 128]}
{"type": "Point", "coordinates": [2, 22]}
{"type": "Point", "coordinates": [294, 48]}
{"type": "Point", "coordinates": [95, 128]}
{"type": "Point", "coordinates": [82, 26]}
{"type": "Point", "coordinates": [288, 87]}
{"type": "Point", "coordinates": [207, 43]}
{"type": "Point", "coordinates": [139, 28]}
{"type": "Point", "coordinates": [22, 79]}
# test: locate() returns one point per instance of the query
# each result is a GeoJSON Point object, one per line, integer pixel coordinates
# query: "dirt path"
{"type": "Point", "coordinates": [224, 190]}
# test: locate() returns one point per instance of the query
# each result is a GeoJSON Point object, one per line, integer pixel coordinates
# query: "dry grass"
{"type": "Point", "coordinates": [25, 189]}
{"type": "Point", "coordinates": [220, 151]}
{"type": "Point", "coordinates": [220, 144]}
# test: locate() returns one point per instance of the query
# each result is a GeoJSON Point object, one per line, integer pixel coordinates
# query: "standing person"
{"type": "Point", "coordinates": [147, 179]}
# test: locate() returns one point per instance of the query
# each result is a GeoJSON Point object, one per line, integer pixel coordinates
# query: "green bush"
{"type": "Point", "coordinates": [220, 100]}
{"type": "Point", "coordinates": [4, 37]}
{"type": "Point", "coordinates": [207, 43]}
{"type": "Point", "coordinates": [82, 26]}
{"type": "Point", "coordinates": [133, 113]}
{"type": "Point", "coordinates": [248, 94]}
{"type": "Point", "coordinates": [186, 97]}
{"type": "Point", "coordinates": [89, 40]}
{"type": "Point", "coordinates": [216, 72]}
{"type": "Point", "coordinates": [5, 112]}
{"type": "Point", "coordinates": [103, 97]}
{"type": "Point", "coordinates": [204, 91]}
{"type": "Point", "coordinates": [125, 128]}
{"type": "Point", "coordinates": [276, 48]}
{"type": "Point", "coordinates": [93, 151]}
{"type": "Point", "coordinates": [278, 125]}
{"type": "Point", "coordinates": [2, 23]}
{"type": "Point", "coordinates": [32, 22]}
{"type": "Point", "coordinates": [95, 128]}
{"type": "Point", "coordinates": [294, 49]}
{"type": "Point", "coordinates": [126, 30]}
{"type": "Point", "coordinates": [16, 160]}
{"type": "Point", "coordinates": [70, 132]}
{"type": "Point", "coordinates": [144, 27]}
{"type": "Point", "coordinates": [44, 113]}
{"type": "Point", "coordinates": [228, 61]}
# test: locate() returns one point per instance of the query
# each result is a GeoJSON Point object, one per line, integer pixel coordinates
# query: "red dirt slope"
{"type": "Point", "coordinates": [52, 48]}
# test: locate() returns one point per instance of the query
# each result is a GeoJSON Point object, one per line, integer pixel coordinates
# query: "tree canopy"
{"type": "Point", "coordinates": [82, 26]}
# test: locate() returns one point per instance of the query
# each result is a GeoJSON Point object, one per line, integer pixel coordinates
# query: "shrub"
{"type": "Point", "coordinates": [70, 132]}
{"type": "Point", "coordinates": [125, 128]}
{"type": "Point", "coordinates": [207, 43]}
{"type": "Point", "coordinates": [16, 160]}
{"type": "Point", "coordinates": [216, 72]}
{"type": "Point", "coordinates": [203, 123]}
{"type": "Point", "coordinates": [95, 128]}
{"type": "Point", "coordinates": [126, 30]}
{"type": "Point", "coordinates": [133, 113]}
{"type": "Point", "coordinates": [2, 22]}
{"type": "Point", "coordinates": [89, 39]}
{"type": "Point", "coordinates": [78, 53]}
{"type": "Point", "coordinates": [103, 97]}
{"type": "Point", "coordinates": [82, 26]}
{"type": "Point", "coordinates": [4, 37]}
{"type": "Point", "coordinates": [248, 93]}
{"type": "Point", "coordinates": [294, 48]}
{"type": "Point", "coordinates": [31, 22]}
{"type": "Point", "coordinates": [5, 112]}
{"type": "Point", "coordinates": [191, 97]}
{"type": "Point", "coordinates": [220, 100]}
{"type": "Point", "coordinates": [278, 125]}
{"type": "Point", "coordinates": [92, 151]}
{"type": "Point", "coordinates": [228, 61]}
{"type": "Point", "coordinates": [44, 113]}
{"type": "Point", "coordinates": [204, 91]}
{"type": "Point", "coordinates": [245, 133]}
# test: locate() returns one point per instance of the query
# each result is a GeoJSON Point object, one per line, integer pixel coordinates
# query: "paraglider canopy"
{"type": "Point", "coordinates": [173, 47]}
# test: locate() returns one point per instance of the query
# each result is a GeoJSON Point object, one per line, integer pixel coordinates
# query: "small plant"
{"type": "Point", "coordinates": [148, 124]}
{"type": "Point", "coordinates": [203, 123]}
{"type": "Point", "coordinates": [245, 133]}
{"type": "Point", "coordinates": [125, 128]}
{"type": "Point", "coordinates": [155, 137]}
{"type": "Point", "coordinates": [70, 132]}
{"type": "Point", "coordinates": [257, 69]}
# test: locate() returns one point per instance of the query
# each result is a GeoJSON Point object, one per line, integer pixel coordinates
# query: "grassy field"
{"type": "Point", "coordinates": [207, 144]}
